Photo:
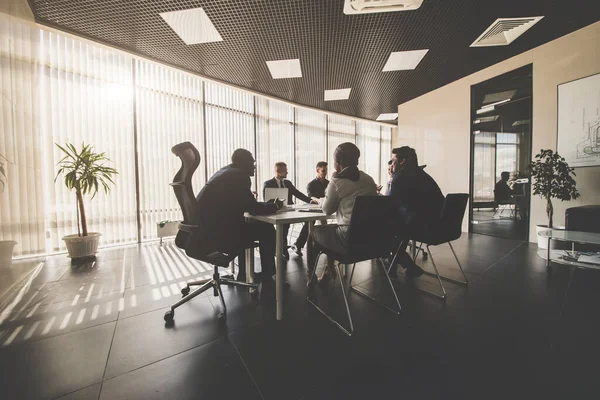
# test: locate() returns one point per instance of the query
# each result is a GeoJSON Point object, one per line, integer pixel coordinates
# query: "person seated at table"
{"type": "Point", "coordinates": [316, 190]}
{"type": "Point", "coordinates": [280, 181]}
{"type": "Point", "coordinates": [419, 202]}
{"type": "Point", "coordinates": [346, 184]}
{"type": "Point", "coordinates": [503, 192]}
{"type": "Point", "coordinates": [219, 214]}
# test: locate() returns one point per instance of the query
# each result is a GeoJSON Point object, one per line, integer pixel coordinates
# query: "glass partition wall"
{"type": "Point", "coordinates": [58, 88]}
{"type": "Point", "coordinates": [500, 153]}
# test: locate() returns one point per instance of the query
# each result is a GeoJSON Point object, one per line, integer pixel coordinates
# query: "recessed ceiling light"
{"type": "Point", "coordinates": [337, 94]}
{"type": "Point", "coordinates": [193, 26]}
{"type": "Point", "coordinates": [521, 122]}
{"type": "Point", "coordinates": [404, 60]}
{"type": "Point", "coordinates": [285, 68]}
{"type": "Point", "coordinates": [387, 117]}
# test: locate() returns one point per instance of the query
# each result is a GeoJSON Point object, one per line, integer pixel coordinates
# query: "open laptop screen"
{"type": "Point", "coordinates": [276, 193]}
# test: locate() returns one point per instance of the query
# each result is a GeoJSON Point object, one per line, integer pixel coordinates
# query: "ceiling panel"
{"type": "Point", "coordinates": [335, 50]}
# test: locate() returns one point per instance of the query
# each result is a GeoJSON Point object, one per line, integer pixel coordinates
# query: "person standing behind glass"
{"type": "Point", "coordinates": [316, 190]}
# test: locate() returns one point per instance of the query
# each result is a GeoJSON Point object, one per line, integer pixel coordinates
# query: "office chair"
{"type": "Point", "coordinates": [449, 228]}
{"type": "Point", "coordinates": [182, 185]}
{"type": "Point", "coordinates": [503, 205]}
{"type": "Point", "coordinates": [370, 236]}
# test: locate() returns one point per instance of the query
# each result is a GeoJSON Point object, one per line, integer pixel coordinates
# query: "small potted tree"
{"type": "Point", "coordinates": [6, 246]}
{"type": "Point", "coordinates": [552, 179]}
{"type": "Point", "coordinates": [84, 172]}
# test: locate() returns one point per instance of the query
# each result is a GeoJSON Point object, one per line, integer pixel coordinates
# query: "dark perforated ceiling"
{"type": "Point", "coordinates": [335, 50]}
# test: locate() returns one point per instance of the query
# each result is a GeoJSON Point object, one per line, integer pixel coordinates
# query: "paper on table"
{"type": "Point", "coordinates": [592, 259]}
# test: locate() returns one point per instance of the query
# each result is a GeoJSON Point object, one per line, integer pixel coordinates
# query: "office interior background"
{"type": "Point", "coordinates": [117, 76]}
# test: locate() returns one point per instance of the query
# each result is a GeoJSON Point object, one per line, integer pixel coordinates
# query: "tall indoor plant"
{"type": "Point", "coordinates": [6, 246]}
{"type": "Point", "coordinates": [552, 179]}
{"type": "Point", "coordinates": [84, 172]}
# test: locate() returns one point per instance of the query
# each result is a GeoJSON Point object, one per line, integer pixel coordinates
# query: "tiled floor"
{"type": "Point", "coordinates": [97, 332]}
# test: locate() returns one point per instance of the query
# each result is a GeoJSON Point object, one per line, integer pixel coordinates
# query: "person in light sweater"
{"type": "Point", "coordinates": [346, 184]}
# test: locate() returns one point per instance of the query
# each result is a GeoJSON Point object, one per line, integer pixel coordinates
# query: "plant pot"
{"type": "Point", "coordinates": [542, 241]}
{"type": "Point", "coordinates": [6, 251]}
{"type": "Point", "coordinates": [82, 246]}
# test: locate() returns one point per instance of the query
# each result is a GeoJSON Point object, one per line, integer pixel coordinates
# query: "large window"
{"type": "Point", "coordinates": [169, 110]}
{"type": "Point", "coordinates": [58, 88]}
{"type": "Point", "coordinates": [274, 139]}
{"type": "Point", "coordinates": [311, 145]}
{"type": "Point", "coordinates": [368, 140]}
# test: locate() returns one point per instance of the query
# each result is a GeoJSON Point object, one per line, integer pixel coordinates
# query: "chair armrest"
{"type": "Point", "coordinates": [187, 227]}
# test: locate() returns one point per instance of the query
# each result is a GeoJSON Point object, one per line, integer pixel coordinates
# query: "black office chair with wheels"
{"type": "Point", "coordinates": [182, 185]}
{"type": "Point", "coordinates": [370, 236]}
{"type": "Point", "coordinates": [448, 229]}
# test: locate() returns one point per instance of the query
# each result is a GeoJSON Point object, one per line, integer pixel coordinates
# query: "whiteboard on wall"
{"type": "Point", "coordinates": [579, 121]}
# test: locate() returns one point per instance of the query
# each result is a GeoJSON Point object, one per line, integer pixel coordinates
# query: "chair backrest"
{"type": "Point", "coordinates": [372, 226]}
{"type": "Point", "coordinates": [182, 182]}
{"type": "Point", "coordinates": [453, 214]}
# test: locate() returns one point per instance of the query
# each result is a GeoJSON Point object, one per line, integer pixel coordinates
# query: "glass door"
{"type": "Point", "coordinates": [500, 153]}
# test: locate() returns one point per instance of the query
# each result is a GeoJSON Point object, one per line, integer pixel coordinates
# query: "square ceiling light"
{"type": "Point", "coordinates": [193, 26]}
{"type": "Point", "coordinates": [281, 69]}
{"type": "Point", "coordinates": [387, 117]}
{"type": "Point", "coordinates": [404, 60]}
{"type": "Point", "coordinates": [337, 94]}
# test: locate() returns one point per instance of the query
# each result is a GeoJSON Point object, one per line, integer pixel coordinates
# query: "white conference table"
{"type": "Point", "coordinates": [289, 215]}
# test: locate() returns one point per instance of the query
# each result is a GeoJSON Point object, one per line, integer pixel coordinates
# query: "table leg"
{"type": "Point", "coordinates": [250, 266]}
{"type": "Point", "coordinates": [309, 246]}
{"type": "Point", "coordinates": [548, 254]}
{"type": "Point", "coordinates": [279, 276]}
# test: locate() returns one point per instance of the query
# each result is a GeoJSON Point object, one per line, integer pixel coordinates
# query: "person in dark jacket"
{"type": "Point", "coordinates": [502, 192]}
{"type": "Point", "coordinates": [419, 202]}
{"type": "Point", "coordinates": [315, 189]}
{"type": "Point", "coordinates": [220, 209]}
{"type": "Point", "coordinates": [280, 181]}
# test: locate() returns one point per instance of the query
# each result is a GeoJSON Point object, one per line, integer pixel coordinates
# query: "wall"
{"type": "Point", "coordinates": [437, 124]}
{"type": "Point", "coordinates": [16, 8]}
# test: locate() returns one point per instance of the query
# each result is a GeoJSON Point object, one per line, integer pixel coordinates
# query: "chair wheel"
{"type": "Point", "coordinates": [222, 317]}
{"type": "Point", "coordinates": [185, 291]}
{"type": "Point", "coordinates": [169, 315]}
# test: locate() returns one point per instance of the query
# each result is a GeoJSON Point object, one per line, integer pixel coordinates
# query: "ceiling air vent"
{"type": "Point", "coordinates": [377, 6]}
{"type": "Point", "coordinates": [504, 31]}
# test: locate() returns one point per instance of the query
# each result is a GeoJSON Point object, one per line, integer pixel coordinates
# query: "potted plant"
{"type": "Point", "coordinates": [84, 173]}
{"type": "Point", "coordinates": [6, 246]}
{"type": "Point", "coordinates": [552, 179]}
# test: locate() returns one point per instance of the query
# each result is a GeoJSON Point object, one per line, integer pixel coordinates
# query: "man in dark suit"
{"type": "Point", "coordinates": [315, 189]}
{"type": "Point", "coordinates": [220, 215]}
{"type": "Point", "coordinates": [419, 201]}
{"type": "Point", "coordinates": [280, 181]}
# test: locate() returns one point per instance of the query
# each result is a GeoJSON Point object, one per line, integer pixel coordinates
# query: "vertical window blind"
{"type": "Point", "coordinates": [169, 110]}
{"type": "Point", "coordinates": [274, 139]}
{"type": "Point", "coordinates": [368, 137]}
{"type": "Point", "coordinates": [311, 145]}
{"type": "Point", "coordinates": [22, 201]}
{"type": "Point", "coordinates": [339, 130]}
{"type": "Point", "coordinates": [86, 97]}
{"type": "Point", "coordinates": [386, 153]}
{"type": "Point", "coordinates": [58, 88]}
